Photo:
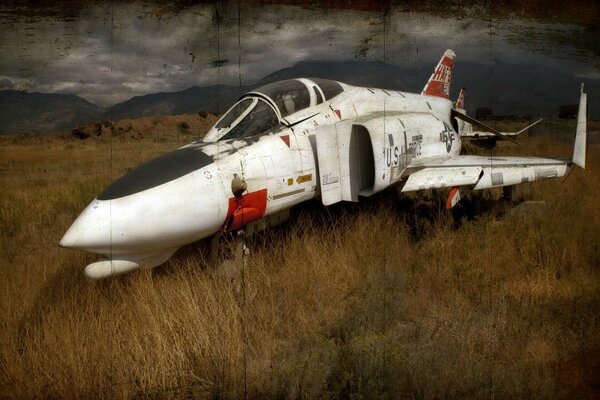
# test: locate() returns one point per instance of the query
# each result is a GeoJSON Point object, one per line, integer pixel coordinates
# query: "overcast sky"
{"type": "Point", "coordinates": [110, 53]}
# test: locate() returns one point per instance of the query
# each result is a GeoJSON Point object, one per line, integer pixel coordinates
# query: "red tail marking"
{"type": "Point", "coordinates": [439, 82]}
{"type": "Point", "coordinates": [460, 102]}
{"type": "Point", "coordinates": [286, 139]}
{"type": "Point", "coordinates": [249, 208]}
{"type": "Point", "coordinates": [338, 113]}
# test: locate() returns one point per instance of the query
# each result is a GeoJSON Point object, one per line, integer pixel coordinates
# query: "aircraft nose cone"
{"type": "Point", "coordinates": [68, 240]}
{"type": "Point", "coordinates": [167, 216]}
{"type": "Point", "coordinates": [91, 230]}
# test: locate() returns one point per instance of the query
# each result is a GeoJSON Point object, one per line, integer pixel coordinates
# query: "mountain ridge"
{"type": "Point", "coordinates": [22, 111]}
{"type": "Point", "coordinates": [505, 88]}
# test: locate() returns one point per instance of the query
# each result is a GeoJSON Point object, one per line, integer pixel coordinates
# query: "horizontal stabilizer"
{"type": "Point", "coordinates": [471, 134]}
{"type": "Point", "coordinates": [527, 127]}
{"type": "Point", "coordinates": [480, 125]}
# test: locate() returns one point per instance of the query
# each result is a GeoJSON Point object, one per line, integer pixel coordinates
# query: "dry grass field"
{"type": "Point", "coordinates": [391, 298]}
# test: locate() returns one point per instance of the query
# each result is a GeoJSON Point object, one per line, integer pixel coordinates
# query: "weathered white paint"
{"type": "Point", "coordinates": [357, 143]}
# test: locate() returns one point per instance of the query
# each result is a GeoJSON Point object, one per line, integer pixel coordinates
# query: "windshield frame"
{"type": "Point", "coordinates": [309, 91]}
{"type": "Point", "coordinates": [257, 100]}
{"type": "Point", "coordinates": [240, 117]}
{"type": "Point", "coordinates": [302, 87]}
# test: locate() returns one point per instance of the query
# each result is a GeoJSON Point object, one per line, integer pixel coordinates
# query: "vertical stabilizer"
{"type": "Point", "coordinates": [580, 136]}
{"type": "Point", "coordinates": [439, 82]}
{"type": "Point", "coordinates": [460, 101]}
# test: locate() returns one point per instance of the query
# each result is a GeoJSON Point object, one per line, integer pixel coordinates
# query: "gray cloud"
{"type": "Point", "coordinates": [6, 84]}
{"type": "Point", "coordinates": [108, 55]}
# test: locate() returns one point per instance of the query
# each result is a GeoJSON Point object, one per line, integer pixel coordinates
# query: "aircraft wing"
{"type": "Point", "coordinates": [482, 172]}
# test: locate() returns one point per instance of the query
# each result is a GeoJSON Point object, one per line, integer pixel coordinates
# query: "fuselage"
{"type": "Point", "coordinates": [186, 195]}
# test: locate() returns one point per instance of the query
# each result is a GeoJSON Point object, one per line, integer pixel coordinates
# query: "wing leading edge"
{"type": "Point", "coordinates": [481, 172]}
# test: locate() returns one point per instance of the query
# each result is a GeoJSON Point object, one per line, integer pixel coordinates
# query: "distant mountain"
{"type": "Point", "coordinates": [507, 89]}
{"type": "Point", "coordinates": [44, 112]}
{"type": "Point", "coordinates": [214, 99]}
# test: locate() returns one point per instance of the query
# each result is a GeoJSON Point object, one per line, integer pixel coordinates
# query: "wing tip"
{"type": "Point", "coordinates": [579, 148]}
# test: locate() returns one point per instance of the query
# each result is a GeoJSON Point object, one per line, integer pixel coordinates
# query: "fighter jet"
{"type": "Point", "coordinates": [289, 142]}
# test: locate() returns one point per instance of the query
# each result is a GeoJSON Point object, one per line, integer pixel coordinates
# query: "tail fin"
{"type": "Point", "coordinates": [460, 101]}
{"type": "Point", "coordinates": [439, 82]}
{"type": "Point", "coordinates": [580, 136]}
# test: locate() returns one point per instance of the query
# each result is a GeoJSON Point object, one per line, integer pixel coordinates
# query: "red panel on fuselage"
{"type": "Point", "coordinates": [248, 208]}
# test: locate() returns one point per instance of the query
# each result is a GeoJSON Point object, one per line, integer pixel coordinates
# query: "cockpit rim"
{"type": "Point", "coordinates": [311, 87]}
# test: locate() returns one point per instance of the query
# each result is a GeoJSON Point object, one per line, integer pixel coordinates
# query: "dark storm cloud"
{"type": "Point", "coordinates": [108, 54]}
{"type": "Point", "coordinates": [6, 84]}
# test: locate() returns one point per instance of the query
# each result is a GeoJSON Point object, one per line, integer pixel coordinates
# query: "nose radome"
{"type": "Point", "coordinates": [163, 217]}
{"type": "Point", "coordinates": [91, 230]}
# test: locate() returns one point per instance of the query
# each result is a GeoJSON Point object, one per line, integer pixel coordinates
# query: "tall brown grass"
{"type": "Point", "coordinates": [392, 298]}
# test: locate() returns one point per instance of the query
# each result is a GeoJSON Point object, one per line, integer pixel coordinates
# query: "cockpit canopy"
{"type": "Point", "coordinates": [271, 106]}
{"type": "Point", "coordinates": [248, 117]}
{"type": "Point", "coordinates": [289, 96]}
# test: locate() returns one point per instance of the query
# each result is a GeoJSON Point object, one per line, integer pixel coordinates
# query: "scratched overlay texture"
{"type": "Point", "coordinates": [479, 313]}
{"type": "Point", "coordinates": [516, 59]}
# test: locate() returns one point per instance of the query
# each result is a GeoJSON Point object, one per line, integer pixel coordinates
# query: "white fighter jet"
{"type": "Point", "coordinates": [289, 142]}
